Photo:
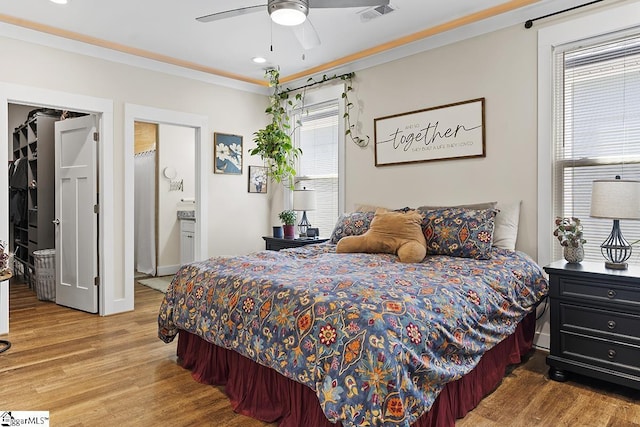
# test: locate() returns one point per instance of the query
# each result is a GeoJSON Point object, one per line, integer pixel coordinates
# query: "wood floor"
{"type": "Point", "coordinates": [102, 371]}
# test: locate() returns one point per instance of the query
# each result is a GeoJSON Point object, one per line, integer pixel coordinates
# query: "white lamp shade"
{"type": "Point", "coordinates": [615, 199]}
{"type": "Point", "coordinates": [304, 200]}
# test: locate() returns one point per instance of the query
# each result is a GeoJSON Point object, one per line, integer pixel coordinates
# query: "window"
{"type": "Point", "coordinates": [596, 131]}
{"type": "Point", "coordinates": [318, 167]}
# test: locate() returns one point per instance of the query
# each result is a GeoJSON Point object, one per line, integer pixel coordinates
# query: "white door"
{"type": "Point", "coordinates": [76, 240]}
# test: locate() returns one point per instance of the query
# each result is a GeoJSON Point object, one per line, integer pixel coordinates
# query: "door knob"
{"type": "Point", "coordinates": [56, 221]}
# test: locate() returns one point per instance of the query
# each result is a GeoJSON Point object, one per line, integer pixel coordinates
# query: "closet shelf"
{"type": "Point", "coordinates": [33, 141]}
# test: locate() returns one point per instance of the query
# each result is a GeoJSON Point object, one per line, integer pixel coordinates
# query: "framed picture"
{"type": "Point", "coordinates": [227, 153]}
{"type": "Point", "coordinates": [257, 179]}
{"type": "Point", "coordinates": [452, 131]}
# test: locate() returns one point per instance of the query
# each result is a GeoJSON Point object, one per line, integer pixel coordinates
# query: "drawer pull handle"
{"type": "Point", "coordinates": [612, 354]}
{"type": "Point", "coordinates": [611, 293]}
{"type": "Point", "coordinates": [611, 324]}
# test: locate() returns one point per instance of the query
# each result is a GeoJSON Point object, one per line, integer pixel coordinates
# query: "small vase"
{"type": "Point", "coordinates": [574, 254]}
{"type": "Point", "coordinates": [277, 232]}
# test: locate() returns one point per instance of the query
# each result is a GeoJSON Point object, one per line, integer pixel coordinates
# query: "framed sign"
{"type": "Point", "coordinates": [227, 153]}
{"type": "Point", "coordinates": [452, 131]}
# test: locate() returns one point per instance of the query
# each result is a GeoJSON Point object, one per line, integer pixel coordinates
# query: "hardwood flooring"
{"type": "Point", "coordinates": [89, 370]}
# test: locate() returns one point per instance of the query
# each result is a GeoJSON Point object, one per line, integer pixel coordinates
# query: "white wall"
{"type": "Point", "coordinates": [176, 149]}
{"type": "Point", "coordinates": [500, 67]}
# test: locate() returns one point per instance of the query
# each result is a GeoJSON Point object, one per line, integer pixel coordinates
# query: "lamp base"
{"type": "Point", "coordinates": [616, 265]}
{"type": "Point", "coordinates": [616, 250]}
{"type": "Point", "coordinates": [304, 225]}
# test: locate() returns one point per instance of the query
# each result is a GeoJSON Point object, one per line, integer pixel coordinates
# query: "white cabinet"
{"type": "Point", "coordinates": [187, 241]}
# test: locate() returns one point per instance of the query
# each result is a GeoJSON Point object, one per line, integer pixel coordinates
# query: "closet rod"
{"type": "Point", "coordinates": [530, 22]}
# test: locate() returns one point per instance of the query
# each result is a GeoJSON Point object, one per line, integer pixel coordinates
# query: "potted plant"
{"type": "Point", "coordinates": [288, 219]}
{"type": "Point", "coordinates": [273, 142]}
{"type": "Point", "coordinates": [569, 234]}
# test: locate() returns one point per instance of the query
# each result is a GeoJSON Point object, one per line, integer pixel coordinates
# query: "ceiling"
{"type": "Point", "coordinates": [165, 32]}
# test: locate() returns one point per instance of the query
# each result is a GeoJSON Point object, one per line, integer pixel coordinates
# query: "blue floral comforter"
{"type": "Point", "coordinates": [376, 339]}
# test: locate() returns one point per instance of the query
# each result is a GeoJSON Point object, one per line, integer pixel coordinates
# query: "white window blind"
{"type": "Point", "coordinates": [318, 165]}
{"type": "Point", "coordinates": [596, 132]}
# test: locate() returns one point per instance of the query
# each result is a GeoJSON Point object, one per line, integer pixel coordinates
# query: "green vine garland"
{"type": "Point", "coordinates": [348, 79]}
{"type": "Point", "coordinates": [274, 144]}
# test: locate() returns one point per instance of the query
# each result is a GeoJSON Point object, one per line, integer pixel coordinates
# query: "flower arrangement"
{"type": "Point", "coordinates": [569, 232]}
{"type": "Point", "coordinates": [287, 217]}
{"type": "Point", "coordinates": [4, 258]}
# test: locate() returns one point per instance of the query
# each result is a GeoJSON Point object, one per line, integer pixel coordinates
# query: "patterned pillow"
{"type": "Point", "coordinates": [459, 232]}
{"type": "Point", "coordinates": [351, 224]}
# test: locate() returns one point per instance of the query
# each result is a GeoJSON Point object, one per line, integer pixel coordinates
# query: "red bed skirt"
{"type": "Point", "coordinates": [262, 393]}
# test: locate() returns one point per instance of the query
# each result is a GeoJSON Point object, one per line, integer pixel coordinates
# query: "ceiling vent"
{"type": "Point", "coordinates": [376, 12]}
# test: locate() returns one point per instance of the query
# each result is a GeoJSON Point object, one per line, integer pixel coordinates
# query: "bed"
{"type": "Point", "coordinates": [308, 336]}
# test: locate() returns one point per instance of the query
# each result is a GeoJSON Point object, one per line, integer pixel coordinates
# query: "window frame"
{"type": "Point", "coordinates": [319, 96]}
{"type": "Point", "coordinates": [615, 21]}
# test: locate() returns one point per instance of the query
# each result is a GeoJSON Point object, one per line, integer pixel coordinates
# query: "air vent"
{"type": "Point", "coordinates": [376, 12]}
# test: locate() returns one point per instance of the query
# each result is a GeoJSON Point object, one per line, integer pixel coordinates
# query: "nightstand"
{"type": "Point", "coordinates": [595, 322]}
{"type": "Point", "coordinates": [275, 244]}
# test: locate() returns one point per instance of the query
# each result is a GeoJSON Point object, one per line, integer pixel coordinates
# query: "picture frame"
{"type": "Point", "coordinates": [445, 132]}
{"type": "Point", "coordinates": [258, 179]}
{"type": "Point", "coordinates": [227, 153]}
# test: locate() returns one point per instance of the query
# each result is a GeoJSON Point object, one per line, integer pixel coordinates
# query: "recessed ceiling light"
{"type": "Point", "coordinates": [259, 60]}
{"type": "Point", "coordinates": [59, 1]}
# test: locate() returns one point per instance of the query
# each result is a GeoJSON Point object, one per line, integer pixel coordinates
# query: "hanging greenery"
{"type": "Point", "coordinates": [347, 78]}
{"type": "Point", "coordinates": [350, 128]}
{"type": "Point", "coordinates": [274, 144]}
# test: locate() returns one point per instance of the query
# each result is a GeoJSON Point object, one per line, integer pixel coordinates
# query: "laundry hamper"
{"type": "Point", "coordinates": [45, 265]}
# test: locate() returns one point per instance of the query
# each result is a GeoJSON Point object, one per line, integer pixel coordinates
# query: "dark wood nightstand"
{"type": "Point", "coordinates": [595, 322]}
{"type": "Point", "coordinates": [275, 244]}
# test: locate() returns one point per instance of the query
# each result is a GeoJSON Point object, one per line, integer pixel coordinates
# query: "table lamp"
{"type": "Point", "coordinates": [304, 200]}
{"type": "Point", "coordinates": [615, 199]}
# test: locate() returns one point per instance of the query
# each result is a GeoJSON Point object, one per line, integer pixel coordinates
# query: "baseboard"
{"type": "Point", "coordinates": [167, 270]}
{"type": "Point", "coordinates": [542, 341]}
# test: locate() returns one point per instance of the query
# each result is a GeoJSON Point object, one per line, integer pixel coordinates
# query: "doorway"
{"type": "Point", "coordinates": [110, 302]}
{"type": "Point", "coordinates": [116, 284]}
{"type": "Point", "coordinates": [164, 188]}
{"type": "Point", "coordinates": [171, 121]}
{"type": "Point", "coordinates": [36, 205]}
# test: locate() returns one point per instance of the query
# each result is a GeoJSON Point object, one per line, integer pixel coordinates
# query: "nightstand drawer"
{"type": "Point", "coordinates": [609, 324]}
{"type": "Point", "coordinates": [604, 353]}
{"type": "Point", "coordinates": [593, 290]}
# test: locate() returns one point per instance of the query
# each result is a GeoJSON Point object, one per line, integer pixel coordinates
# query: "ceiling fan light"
{"type": "Point", "coordinates": [288, 13]}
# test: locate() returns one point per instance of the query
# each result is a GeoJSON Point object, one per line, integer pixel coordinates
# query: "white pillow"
{"type": "Point", "coordinates": [505, 230]}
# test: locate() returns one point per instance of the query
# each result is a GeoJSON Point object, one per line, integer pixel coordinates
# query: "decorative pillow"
{"type": "Point", "coordinates": [395, 232]}
{"type": "Point", "coordinates": [460, 232]}
{"type": "Point", "coordinates": [351, 224]}
{"type": "Point", "coordinates": [506, 225]}
{"type": "Point", "coordinates": [362, 207]}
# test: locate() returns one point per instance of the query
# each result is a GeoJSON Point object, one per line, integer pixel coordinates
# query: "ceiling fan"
{"type": "Point", "coordinates": [294, 13]}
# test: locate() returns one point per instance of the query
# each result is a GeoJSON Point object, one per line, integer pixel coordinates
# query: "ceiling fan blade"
{"type": "Point", "coordinates": [231, 13]}
{"type": "Point", "coordinates": [346, 3]}
{"type": "Point", "coordinates": [307, 35]}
